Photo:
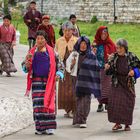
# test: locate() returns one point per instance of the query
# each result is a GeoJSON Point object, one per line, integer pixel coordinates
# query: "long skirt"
{"type": "Point", "coordinates": [43, 119]}
{"type": "Point", "coordinates": [66, 97]}
{"type": "Point", "coordinates": [82, 109]}
{"type": "Point", "coordinates": [105, 87]}
{"type": "Point", "coordinates": [6, 56]}
{"type": "Point", "coordinates": [121, 105]}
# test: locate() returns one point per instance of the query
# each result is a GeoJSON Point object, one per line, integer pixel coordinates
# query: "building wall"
{"type": "Point", "coordinates": [126, 10]}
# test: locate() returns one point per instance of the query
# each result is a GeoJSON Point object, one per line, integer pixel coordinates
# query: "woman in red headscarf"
{"type": "Point", "coordinates": [105, 47]}
{"type": "Point", "coordinates": [48, 28]}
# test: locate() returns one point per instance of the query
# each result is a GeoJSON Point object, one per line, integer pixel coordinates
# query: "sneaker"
{"type": "Point", "coordinates": [50, 131]}
{"type": "Point", "coordinates": [100, 108]}
{"type": "Point", "coordinates": [66, 115]}
{"type": "Point", "coordinates": [70, 114]}
{"type": "Point", "coordinates": [40, 132]}
{"type": "Point", "coordinates": [76, 125]}
{"type": "Point", "coordinates": [83, 125]}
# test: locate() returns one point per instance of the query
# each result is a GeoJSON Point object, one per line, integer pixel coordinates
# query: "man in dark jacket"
{"type": "Point", "coordinates": [76, 31]}
{"type": "Point", "coordinates": [32, 19]}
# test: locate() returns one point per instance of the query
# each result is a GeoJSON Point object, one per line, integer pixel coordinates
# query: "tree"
{"type": "Point", "coordinates": [6, 11]}
{"type": "Point", "coordinates": [12, 2]}
{"type": "Point", "coordinates": [6, 4]}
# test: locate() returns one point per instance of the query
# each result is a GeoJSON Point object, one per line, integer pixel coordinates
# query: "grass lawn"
{"type": "Point", "coordinates": [130, 32]}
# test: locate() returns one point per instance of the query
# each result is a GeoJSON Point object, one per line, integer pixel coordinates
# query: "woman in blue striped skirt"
{"type": "Point", "coordinates": [40, 64]}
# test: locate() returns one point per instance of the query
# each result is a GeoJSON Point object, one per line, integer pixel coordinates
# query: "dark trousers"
{"type": "Point", "coordinates": [82, 109]}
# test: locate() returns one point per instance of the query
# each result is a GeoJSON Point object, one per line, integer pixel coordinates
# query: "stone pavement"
{"type": "Point", "coordinates": [98, 126]}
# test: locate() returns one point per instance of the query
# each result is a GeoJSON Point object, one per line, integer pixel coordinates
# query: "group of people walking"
{"type": "Point", "coordinates": [103, 69]}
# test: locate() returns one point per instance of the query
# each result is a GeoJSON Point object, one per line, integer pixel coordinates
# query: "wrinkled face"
{"type": "Point", "coordinates": [40, 41]}
{"type": "Point", "coordinates": [120, 50]}
{"type": "Point", "coordinates": [6, 22]}
{"type": "Point", "coordinates": [73, 20]}
{"type": "Point", "coordinates": [83, 46]}
{"type": "Point", "coordinates": [46, 22]}
{"type": "Point", "coordinates": [68, 33]}
{"type": "Point", "coordinates": [33, 6]}
{"type": "Point", "coordinates": [104, 35]}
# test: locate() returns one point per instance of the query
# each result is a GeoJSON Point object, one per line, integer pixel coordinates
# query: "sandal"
{"type": "Point", "coordinates": [127, 128]}
{"type": "Point", "coordinates": [116, 127]}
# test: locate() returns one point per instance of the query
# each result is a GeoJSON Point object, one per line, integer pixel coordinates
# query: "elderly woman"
{"type": "Point", "coordinates": [82, 63]}
{"type": "Point", "coordinates": [105, 47]}
{"type": "Point", "coordinates": [64, 47]}
{"type": "Point", "coordinates": [48, 28]}
{"type": "Point", "coordinates": [7, 43]}
{"type": "Point", "coordinates": [40, 64]}
{"type": "Point", "coordinates": [121, 66]}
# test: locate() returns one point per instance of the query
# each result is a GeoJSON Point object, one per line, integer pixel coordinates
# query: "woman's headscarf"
{"type": "Point", "coordinates": [109, 46]}
{"type": "Point", "coordinates": [77, 45]}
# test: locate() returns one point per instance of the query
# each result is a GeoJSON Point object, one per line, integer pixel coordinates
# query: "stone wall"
{"type": "Point", "coordinates": [126, 10]}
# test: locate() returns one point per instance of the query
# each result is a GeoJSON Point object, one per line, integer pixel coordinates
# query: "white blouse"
{"type": "Point", "coordinates": [74, 70]}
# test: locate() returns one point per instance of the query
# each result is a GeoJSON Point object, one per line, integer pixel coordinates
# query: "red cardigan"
{"type": "Point", "coordinates": [49, 98]}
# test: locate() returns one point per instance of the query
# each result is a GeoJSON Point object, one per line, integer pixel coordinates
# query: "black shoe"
{"type": "Point", "coordinates": [1, 72]}
{"type": "Point", "coordinates": [100, 108]}
{"type": "Point", "coordinates": [8, 74]}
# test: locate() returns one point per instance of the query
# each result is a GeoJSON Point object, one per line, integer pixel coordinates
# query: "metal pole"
{"type": "Point", "coordinates": [42, 6]}
{"type": "Point", "coordinates": [114, 3]}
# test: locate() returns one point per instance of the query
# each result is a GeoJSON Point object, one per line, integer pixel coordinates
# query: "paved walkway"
{"type": "Point", "coordinates": [98, 126]}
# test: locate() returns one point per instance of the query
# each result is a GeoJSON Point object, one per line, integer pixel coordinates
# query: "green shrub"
{"type": "Point", "coordinates": [94, 19]}
{"type": "Point", "coordinates": [16, 16]}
